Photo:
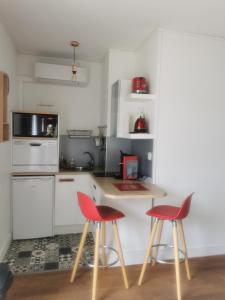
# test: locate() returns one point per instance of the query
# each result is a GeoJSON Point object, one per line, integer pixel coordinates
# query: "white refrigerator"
{"type": "Point", "coordinates": [33, 199]}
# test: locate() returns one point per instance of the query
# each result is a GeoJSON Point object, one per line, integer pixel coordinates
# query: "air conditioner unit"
{"type": "Point", "coordinates": [60, 74]}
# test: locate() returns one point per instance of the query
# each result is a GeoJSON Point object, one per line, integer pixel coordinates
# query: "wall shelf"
{"type": "Point", "coordinates": [141, 97]}
{"type": "Point", "coordinates": [126, 107]}
{"type": "Point", "coordinates": [140, 136]}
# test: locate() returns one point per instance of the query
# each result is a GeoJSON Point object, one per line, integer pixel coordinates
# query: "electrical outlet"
{"type": "Point", "coordinates": [149, 155]}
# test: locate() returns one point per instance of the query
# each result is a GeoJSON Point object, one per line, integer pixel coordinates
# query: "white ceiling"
{"type": "Point", "coordinates": [44, 27]}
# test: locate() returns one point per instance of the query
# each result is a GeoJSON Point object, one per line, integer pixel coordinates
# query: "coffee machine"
{"type": "Point", "coordinates": [128, 166]}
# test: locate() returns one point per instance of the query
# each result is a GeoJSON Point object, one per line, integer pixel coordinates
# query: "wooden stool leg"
{"type": "Point", "coordinates": [103, 232]}
{"type": "Point", "coordinates": [80, 249]}
{"type": "Point", "coordinates": [176, 255]}
{"type": "Point", "coordinates": [96, 257]}
{"type": "Point", "coordinates": [158, 239]}
{"type": "Point", "coordinates": [181, 229]}
{"type": "Point", "coordinates": [148, 253]}
{"type": "Point", "coordinates": [120, 253]}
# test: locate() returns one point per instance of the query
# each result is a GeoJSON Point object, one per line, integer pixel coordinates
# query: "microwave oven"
{"type": "Point", "coordinates": [34, 125]}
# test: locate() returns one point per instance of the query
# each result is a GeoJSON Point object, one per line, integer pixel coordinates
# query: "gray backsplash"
{"type": "Point", "coordinates": [111, 157]}
{"type": "Point", "coordinates": [75, 147]}
{"type": "Point", "coordinates": [113, 147]}
{"type": "Point", "coordinates": [135, 147]}
{"type": "Point", "coordinates": [141, 149]}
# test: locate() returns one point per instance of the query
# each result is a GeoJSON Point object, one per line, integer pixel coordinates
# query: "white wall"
{"type": "Point", "coordinates": [147, 61]}
{"type": "Point", "coordinates": [190, 143]}
{"type": "Point", "coordinates": [7, 64]}
{"type": "Point", "coordinates": [191, 140]}
{"type": "Point", "coordinates": [79, 107]}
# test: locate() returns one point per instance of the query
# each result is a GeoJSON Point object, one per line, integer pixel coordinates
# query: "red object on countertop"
{"type": "Point", "coordinates": [123, 187]}
{"type": "Point", "coordinates": [139, 85]}
{"type": "Point", "coordinates": [130, 167]}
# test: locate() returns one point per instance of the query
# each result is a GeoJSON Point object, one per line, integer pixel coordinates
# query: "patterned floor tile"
{"type": "Point", "coordinates": [46, 254]}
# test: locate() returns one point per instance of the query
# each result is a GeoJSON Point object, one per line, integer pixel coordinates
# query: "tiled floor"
{"type": "Point", "coordinates": [45, 254]}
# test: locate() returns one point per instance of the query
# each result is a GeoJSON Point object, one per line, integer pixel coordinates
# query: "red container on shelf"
{"type": "Point", "coordinates": [139, 85]}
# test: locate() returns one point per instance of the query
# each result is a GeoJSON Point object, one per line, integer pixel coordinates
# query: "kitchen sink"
{"type": "Point", "coordinates": [77, 168]}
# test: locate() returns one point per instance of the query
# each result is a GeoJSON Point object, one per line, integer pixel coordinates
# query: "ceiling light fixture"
{"type": "Point", "coordinates": [74, 44]}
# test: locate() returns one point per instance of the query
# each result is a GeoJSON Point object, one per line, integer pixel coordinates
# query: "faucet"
{"type": "Point", "coordinates": [91, 161]}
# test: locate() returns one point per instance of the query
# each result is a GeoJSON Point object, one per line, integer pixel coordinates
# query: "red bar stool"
{"type": "Point", "coordinates": [174, 214]}
{"type": "Point", "coordinates": [99, 214]}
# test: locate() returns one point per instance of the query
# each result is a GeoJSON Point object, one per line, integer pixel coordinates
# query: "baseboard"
{"type": "Point", "coordinates": [206, 250]}
{"type": "Point", "coordinates": [133, 257]}
{"type": "Point", "coordinates": [4, 247]}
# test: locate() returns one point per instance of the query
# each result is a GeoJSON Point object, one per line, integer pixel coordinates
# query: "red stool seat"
{"type": "Point", "coordinates": [169, 212]}
{"type": "Point", "coordinates": [108, 213]}
{"type": "Point", "coordinates": [98, 213]}
{"type": "Point", "coordinates": [165, 212]}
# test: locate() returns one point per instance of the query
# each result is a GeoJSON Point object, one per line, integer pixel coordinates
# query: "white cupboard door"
{"type": "Point", "coordinates": [32, 207]}
{"type": "Point", "coordinates": [67, 211]}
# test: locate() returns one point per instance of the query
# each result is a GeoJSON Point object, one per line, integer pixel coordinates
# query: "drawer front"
{"type": "Point", "coordinates": [67, 211]}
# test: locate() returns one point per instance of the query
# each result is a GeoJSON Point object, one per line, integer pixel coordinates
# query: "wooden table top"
{"type": "Point", "coordinates": [111, 191]}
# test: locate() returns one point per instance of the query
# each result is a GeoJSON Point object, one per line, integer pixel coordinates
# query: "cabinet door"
{"type": "Point", "coordinates": [32, 207]}
{"type": "Point", "coordinates": [67, 211]}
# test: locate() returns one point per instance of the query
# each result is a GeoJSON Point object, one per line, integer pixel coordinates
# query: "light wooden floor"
{"type": "Point", "coordinates": [208, 283]}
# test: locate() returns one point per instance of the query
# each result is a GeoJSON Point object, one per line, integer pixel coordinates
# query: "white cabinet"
{"type": "Point", "coordinates": [60, 73]}
{"type": "Point", "coordinates": [126, 107]}
{"type": "Point", "coordinates": [32, 199]}
{"type": "Point", "coordinates": [67, 211]}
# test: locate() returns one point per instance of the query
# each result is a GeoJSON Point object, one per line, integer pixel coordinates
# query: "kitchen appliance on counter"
{"type": "Point", "coordinates": [35, 155]}
{"type": "Point", "coordinates": [128, 166]}
{"type": "Point", "coordinates": [32, 203]}
{"type": "Point", "coordinates": [139, 85]}
{"type": "Point", "coordinates": [25, 124]}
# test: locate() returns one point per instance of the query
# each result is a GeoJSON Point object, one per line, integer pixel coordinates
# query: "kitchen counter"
{"type": "Point", "coordinates": [134, 228]}
{"type": "Point", "coordinates": [64, 172]}
{"type": "Point", "coordinates": [106, 184]}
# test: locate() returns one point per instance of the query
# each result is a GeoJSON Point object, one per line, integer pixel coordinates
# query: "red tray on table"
{"type": "Point", "coordinates": [125, 187]}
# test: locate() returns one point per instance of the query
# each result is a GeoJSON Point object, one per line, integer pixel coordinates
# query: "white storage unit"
{"type": "Point", "coordinates": [36, 155]}
{"type": "Point", "coordinates": [33, 199]}
{"type": "Point", "coordinates": [68, 217]}
{"type": "Point", "coordinates": [126, 107]}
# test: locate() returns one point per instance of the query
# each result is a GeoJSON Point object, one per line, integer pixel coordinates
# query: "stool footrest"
{"type": "Point", "coordinates": [87, 259]}
{"type": "Point", "coordinates": [168, 262]}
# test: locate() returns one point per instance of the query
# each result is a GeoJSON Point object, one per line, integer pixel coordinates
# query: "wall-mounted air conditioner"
{"type": "Point", "coordinates": [60, 74]}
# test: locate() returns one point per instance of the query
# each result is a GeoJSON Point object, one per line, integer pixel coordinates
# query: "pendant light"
{"type": "Point", "coordinates": [74, 44]}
